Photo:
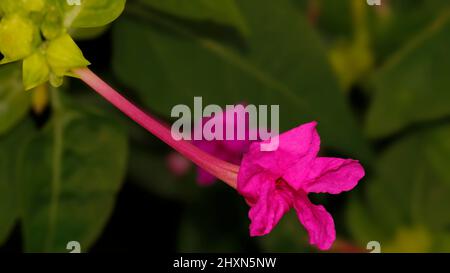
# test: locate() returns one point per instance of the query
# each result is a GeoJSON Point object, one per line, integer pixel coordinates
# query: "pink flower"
{"type": "Point", "coordinates": [274, 182]}
{"type": "Point", "coordinates": [228, 150]}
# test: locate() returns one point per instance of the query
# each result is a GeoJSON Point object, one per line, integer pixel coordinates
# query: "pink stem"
{"type": "Point", "coordinates": [225, 171]}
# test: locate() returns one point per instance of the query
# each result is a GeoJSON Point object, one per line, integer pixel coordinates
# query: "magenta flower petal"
{"type": "Point", "coordinates": [272, 182]}
{"type": "Point", "coordinates": [317, 221]}
{"type": "Point", "coordinates": [268, 210]}
{"type": "Point", "coordinates": [300, 141]}
{"type": "Point", "coordinates": [333, 175]}
{"type": "Point", "coordinates": [252, 178]}
{"type": "Point", "coordinates": [298, 146]}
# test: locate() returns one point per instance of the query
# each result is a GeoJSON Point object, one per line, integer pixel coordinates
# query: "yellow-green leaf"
{"type": "Point", "coordinates": [92, 13]}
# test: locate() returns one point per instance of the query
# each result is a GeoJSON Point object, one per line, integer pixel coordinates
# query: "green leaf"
{"type": "Point", "coordinates": [401, 21]}
{"type": "Point", "coordinates": [409, 194]}
{"type": "Point", "coordinates": [284, 64]}
{"type": "Point", "coordinates": [14, 101]}
{"type": "Point", "coordinates": [92, 13]}
{"type": "Point", "coordinates": [413, 86]}
{"type": "Point", "coordinates": [70, 174]}
{"type": "Point", "coordinates": [220, 11]}
{"type": "Point", "coordinates": [10, 145]}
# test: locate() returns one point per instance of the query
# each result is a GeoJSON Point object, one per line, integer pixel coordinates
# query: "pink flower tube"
{"type": "Point", "coordinates": [223, 170]}
{"type": "Point", "coordinates": [229, 150]}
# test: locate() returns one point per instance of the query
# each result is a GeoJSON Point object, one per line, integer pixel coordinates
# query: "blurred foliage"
{"type": "Point", "coordinates": [185, 64]}
{"type": "Point", "coordinates": [418, 73]}
{"type": "Point", "coordinates": [9, 208]}
{"type": "Point", "coordinates": [374, 77]}
{"type": "Point", "coordinates": [14, 102]}
{"type": "Point", "coordinates": [217, 226]}
{"type": "Point", "coordinates": [409, 194]}
{"type": "Point", "coordinates": [74, 169]}
{"type": "Point", "coordinates": [218, 11]}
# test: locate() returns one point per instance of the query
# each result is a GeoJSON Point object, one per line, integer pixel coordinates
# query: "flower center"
{"type": "Point", "coordinates": [281, 184]}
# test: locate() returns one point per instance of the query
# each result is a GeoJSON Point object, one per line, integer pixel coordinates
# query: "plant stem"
{"type": "Point", "coordinates": [57, 151]}
{"type": "Point", "coordinates": [223, 170]}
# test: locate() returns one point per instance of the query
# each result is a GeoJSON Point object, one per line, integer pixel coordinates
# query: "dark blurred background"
{"type": "Point", "coordinates": [374, 77]}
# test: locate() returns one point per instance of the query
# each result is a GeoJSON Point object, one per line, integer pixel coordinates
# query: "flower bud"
{"type": "Point", "coordinates": [33, 5]}
{"type": "Point", "coordinates": [63, 55]}
{"type": "Point", "coordinates": [35, 70]}
{"type": "Point", "coordinates": [17, 35]}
